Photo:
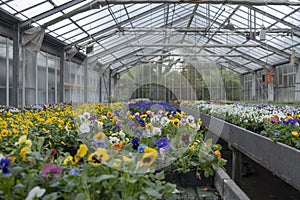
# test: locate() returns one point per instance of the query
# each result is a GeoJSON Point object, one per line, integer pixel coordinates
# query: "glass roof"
{"type": "Point", "coordinates": [119, 32]}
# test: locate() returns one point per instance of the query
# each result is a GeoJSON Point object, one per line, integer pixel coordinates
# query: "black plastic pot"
{"type": "Point", "coordinates": [190, 179]}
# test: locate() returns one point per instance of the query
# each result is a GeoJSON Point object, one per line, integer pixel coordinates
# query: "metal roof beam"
{"type": "Point", "coordinates": [120, 24]}
{"type": "Point", "coordinates": [243, 2]}
{"type": "Point", "coordinates": [50, 12]}
{"type": "Point", "coordinates": [248, 57]}
{"type": "Point", "coordinates": [203, 30]}
{"type": "Point", "coordinates": [273, 17]}
{"type": "Point", "coordinates": [262, 44]}
{"type": "Point", "coordinates": [127, 43]}
{"type": "Point", "coordinates": [233, 62]}
{"type": "Point", "coordinates": [191, 55]}
{"type": "Point", "coordinates": [219, 45]}
{"type": "Point", "coordinates": [191, 19]}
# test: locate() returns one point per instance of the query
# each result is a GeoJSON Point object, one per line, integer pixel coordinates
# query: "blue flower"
{"type": "Point", "coordinates": [105, 126]}
{"type": "Point", "coordinates": [117, 126]}
{"type": "Point", "coordinates": [4, 163]}
{"type": "Point", "coordinates": [163, 143]}
{"type": "Point", "coordinates": [74, 171]}
{"type": "Point", "coordinates": [277, 134]}
{"type": "Point", "coordinates": [137, 132]}
{"type": "Point", "coordinates": [141, 148]}
{"type": "Point", "coordinates": [135, 143]}
{"type": "Point", "coordinates": [99, 143]}
{"type": "Point", "coordinates": [292, 121]}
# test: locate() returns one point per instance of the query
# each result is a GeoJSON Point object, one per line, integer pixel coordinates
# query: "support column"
{"type": "Point", "coordinates": [16, 67]}
{"type": "Point", "coordinates": [297, 82]}
{"type": "Point", "coordinates": [254, 87]}
{"type": "Point", "coordinates": [109, 85]}
{"type": "Point", "coordinates": [61, 76]}
{"type": "Point", "coordinates": [236, 173]}
{"type": "Point", "coordinates": [242, 95]}
{"type": "Point", "coordinates": [85, 82]}
{"type": "Point", "coordinates": [271, 91]}
{"type": "Point", "coordinates": [100, 89]}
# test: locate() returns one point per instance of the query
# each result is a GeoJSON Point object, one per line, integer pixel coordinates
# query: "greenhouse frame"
{"type": "Point", "coordinates": [258, 41]}
{"type": "Point", "coordinates": [170, 99]}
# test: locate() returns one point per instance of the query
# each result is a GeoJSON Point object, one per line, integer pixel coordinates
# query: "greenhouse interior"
{"type": "Point", "coordinates": [116, 99]}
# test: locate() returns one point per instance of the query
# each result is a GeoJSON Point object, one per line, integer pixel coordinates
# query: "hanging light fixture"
{"type": "Point", "coordinates": [229, 26]}
{"type": "Point", "coordinates": [262, 33]}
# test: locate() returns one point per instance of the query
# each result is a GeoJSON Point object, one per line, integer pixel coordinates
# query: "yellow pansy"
{"type": "Point", "coordinates": [175, 122]}
{"type": "Point", "coordinates": [295, 133]}
{"type": "Point", "coordinates": [69, 159]}
{"type": "Point", "coordinates": [200, 121]}
{"type": "Point", "coordinates": [98, 156]}
{"type": "Point", "coordinates": [82, 151]}
{"type": "Point", "coordinates": [191, 148]}
{"type": "Point", "coordinates": [25, 150]}
{"type": "Point", "coordinates": [4, 132]}
{"type": "Point", "coordinates": [126, 159]}
{"type": "Point", "coordinates": [116, 164]}
{"type": "Point", "coordinates": [99, 136]}
{"type": "Point", "coordinates": [149, 156]}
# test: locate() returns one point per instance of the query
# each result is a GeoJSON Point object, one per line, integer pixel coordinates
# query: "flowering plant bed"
{"type": "Point", "coordinates": [277, 157]}
{"type": "Point", "coordinates": [279, 123]}
{"type": "Point", "coordinates": [63, 151]}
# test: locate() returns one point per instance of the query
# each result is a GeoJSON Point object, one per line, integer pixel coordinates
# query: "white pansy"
{"type": "Point", "coordinates": [155, 119]}
{"type": "Point", "coordinates": [122, 134]}
{"type": "Point", "coordinates": [164, 121]}
{"type": "Point", "coordinates": [194, 126]}
{"type": "Point", "coordinates": [1, 156]}
{"type": "Point", "coordinates": [84, 128]}
{"type": "Point", "coordinates": [190, 119]}
{"type": "Point", "coordinates": [35, 192]}
{"type": "Point", "coordinates": [86, 115]}
{"type": "Point", "coordinates": [114, 140]}
{"type": "Point", "coordinates": [156, 131]}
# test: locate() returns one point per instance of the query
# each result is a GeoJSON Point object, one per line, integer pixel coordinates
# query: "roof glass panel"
{"type": "Point", "coordinates": [20, 5]}
{"type": "Point", "coordinates": [89, 15]}
{"type": "Point", "coordinates": [277, 10]}
{"type": "Point", "coordinates": [75, 35]}
{"type": "Point", "coordinates": [38, 10]}
{"type": "Point", "coordinates": [7, 8]}
{"type": "Point", "coordinates": [273, 59]}
{"type": "Point", "coordinates": [51, 17]}
{"type": "Point", "coordinates": [77, 6]}
{"type": "Point", "coordinates": [136, 9]}
{"type": "Point", "coordinates": [253, 66]}
{"type": "Point", "coordinates": [107, 58]}
{"type": "Point", "coordinates": [60, 24]}
{"type": "Point", "coordinates": [63, 29]}
{"type": "Point", "coordinates": [21, 16]}
{"type": "Point", "coordinates": [60, 2]}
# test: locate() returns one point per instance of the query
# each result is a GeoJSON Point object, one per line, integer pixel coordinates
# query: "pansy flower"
{"type": "Point", "coordinates": [163, 143]}
{"type": "Point", "coordinates": [149, 156]}
{"type": "Point", "coordinates": [98, 157]}
{"type": "Point", "coordinates": [4, 163]}
{"type": "Point", "coordinates": [135, 143]}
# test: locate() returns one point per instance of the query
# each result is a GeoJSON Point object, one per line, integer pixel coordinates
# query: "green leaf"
{"type": "Point", "coordinates": [40, 143]}
{"type": "Point", "coordinates": [101, 178]}
{"type": "Point", "coordinates": [80, 196]}
{"type": "Point", "coordinates": [16, 170]}
{"type": "Point", "coordinates": [160, 175]}
{"type": "Point", "coordinates": [51, 196]}
{"type": "Point", "coordinates": [152, 192]}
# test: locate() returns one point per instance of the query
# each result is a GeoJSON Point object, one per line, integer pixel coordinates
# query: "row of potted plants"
{"type": "Point", "coordinates": [87, 151]}
{"type": "Point", "coordinates": [280, 123]}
